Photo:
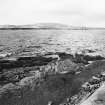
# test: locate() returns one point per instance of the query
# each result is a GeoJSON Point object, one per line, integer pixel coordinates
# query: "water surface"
{"type": "Point", "coordinates": [31, 42]}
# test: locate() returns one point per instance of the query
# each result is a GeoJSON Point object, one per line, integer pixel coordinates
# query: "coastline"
{"type": "Point", "coordinates": [52, 77]}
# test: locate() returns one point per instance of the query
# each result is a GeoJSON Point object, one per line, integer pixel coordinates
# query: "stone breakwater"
{"type": "Point", "coordinates": [54, 78]}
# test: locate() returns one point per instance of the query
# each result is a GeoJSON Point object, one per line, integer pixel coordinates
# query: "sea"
{"type": "Point", "coordinates": [40, 41]}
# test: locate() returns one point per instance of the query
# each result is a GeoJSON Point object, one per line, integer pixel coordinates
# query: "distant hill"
{"type": "Point", "coordinates": [56, 26]}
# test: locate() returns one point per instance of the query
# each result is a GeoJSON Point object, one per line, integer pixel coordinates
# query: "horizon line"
{"type": "Point", "coordinates": [53, 23]}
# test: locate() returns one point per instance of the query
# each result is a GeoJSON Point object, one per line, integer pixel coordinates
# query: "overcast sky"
{"type": "Point", "coordinates": [72, 12]}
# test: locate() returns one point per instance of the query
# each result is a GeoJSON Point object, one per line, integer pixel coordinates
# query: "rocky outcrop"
{"type": "Point", "coordinates": [97, 98]}
{"type": "Point", "coordinates": [25, 62]}
{"type": "Point", "coordinates": [49, 79]}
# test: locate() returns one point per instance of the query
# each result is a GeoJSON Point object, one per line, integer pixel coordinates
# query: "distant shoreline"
{"type": "Point", "coordinates": [48, 26]}
{"type": "Point", "coordinates": [50, 29]}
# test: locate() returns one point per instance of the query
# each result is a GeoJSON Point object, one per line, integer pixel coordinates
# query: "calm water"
{"type": "Point", "coordinates": [31, 42]}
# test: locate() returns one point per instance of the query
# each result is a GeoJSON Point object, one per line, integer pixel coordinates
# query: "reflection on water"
{"type": "Point", "coordinates": [31, 42]}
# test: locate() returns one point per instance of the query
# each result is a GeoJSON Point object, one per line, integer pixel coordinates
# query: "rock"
{"type": "Point", "coordinates": [12, 76]}
{"type": "Point", "coordinates": [79, 58]}
{"type": "Point", "coordinates": [64, 55]}
{"type": "Point", "coordinates": [94, 77]}
{"type": "Point", "coordinates": [86, 58]}
{"type": "Point", "coordinates": [103, 73]}
{"type": "Point", "coordinates": [27, 81]}
{"type": "Point", "coordinates": [2, 55]}
{"type": "Point", "coordinates": [97, 98]}
{"type": "Point", "coordinates": [53, 56]}
{"type": "Point", "coordinates": [93, 58]}
{"type": "Point", "coordinates": [6, 88]}
{"type": "Point", "coordinates": [66, 66]}
{"type": "Point", "coordinates": [43, 85]}
{"type": "Point", "coordinates": [50, 103]}
{"type": "Point", "coordinates": [53, 88]}
{"type": "Point", "coordinates": [94, 81]}
{"type": "Point", "coordinates": [85, 85]}
{"type": "Point", "coordinates": [25, 62]}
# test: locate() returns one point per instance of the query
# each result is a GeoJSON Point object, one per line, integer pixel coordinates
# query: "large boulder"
{"type": "Point", "coordinates": [67, 66]}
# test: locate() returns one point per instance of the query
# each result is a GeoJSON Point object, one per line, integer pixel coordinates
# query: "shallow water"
{"type": "Point", "coordinates": [31, 42]}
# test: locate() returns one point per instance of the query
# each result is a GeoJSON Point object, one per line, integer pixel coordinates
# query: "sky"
{"type": "Point", "coordinates": [71, 12]}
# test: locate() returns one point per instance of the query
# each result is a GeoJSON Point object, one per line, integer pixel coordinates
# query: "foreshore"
{"type": "Point", "coordinates": [55, 78]}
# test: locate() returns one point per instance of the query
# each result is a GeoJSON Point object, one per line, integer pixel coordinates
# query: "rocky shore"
{"type": "Point", "coordinates": [51, 79]}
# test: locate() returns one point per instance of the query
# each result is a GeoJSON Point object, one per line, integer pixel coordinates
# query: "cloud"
{"type": "Point", "coordinates": [74, 12]}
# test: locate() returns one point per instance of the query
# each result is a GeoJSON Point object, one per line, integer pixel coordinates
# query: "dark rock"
{"type": "Point", "coordinates": [82, 58]}
{"type": "Point", "coordinates": [54, 87]}
{"type": "Point", "coordinates": [93, 58]}
{"type": "Point", "coordinates": [79, 58]}
{"type": "Point", "coordinates": [94, 81]}
{"type": "Point", "coordinates": [90, 51]}
{"type": "Point", "coordinates": [25, 62]}
{"type": "Point", "coordinates": [65, 55]}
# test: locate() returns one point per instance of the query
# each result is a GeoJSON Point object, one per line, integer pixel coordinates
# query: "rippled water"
{"type": "Point", "coordinates": [31, 42]}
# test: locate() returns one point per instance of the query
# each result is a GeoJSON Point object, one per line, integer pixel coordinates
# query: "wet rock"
{"type": "Point", "coordinates": [25, 62]}
{"type": "Point", "coordinates": [85, 58]}
{"type": "Point", "coordinates": [93, 58]}
{"type": "Point", "coordinates": [66, 66]}
{"type": "Point", "coordinates": [50, 79]}
{"type": "Point", "coordinates": [65, 55]}
{"type": "Point", "coordinates": [53, 56]}
{"type": "Point", "coordinates": [89, 51]}
{"type": "Point", "coordinates": [5, 55]}
{"type": "Point", "coordinates": [79, 58]}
